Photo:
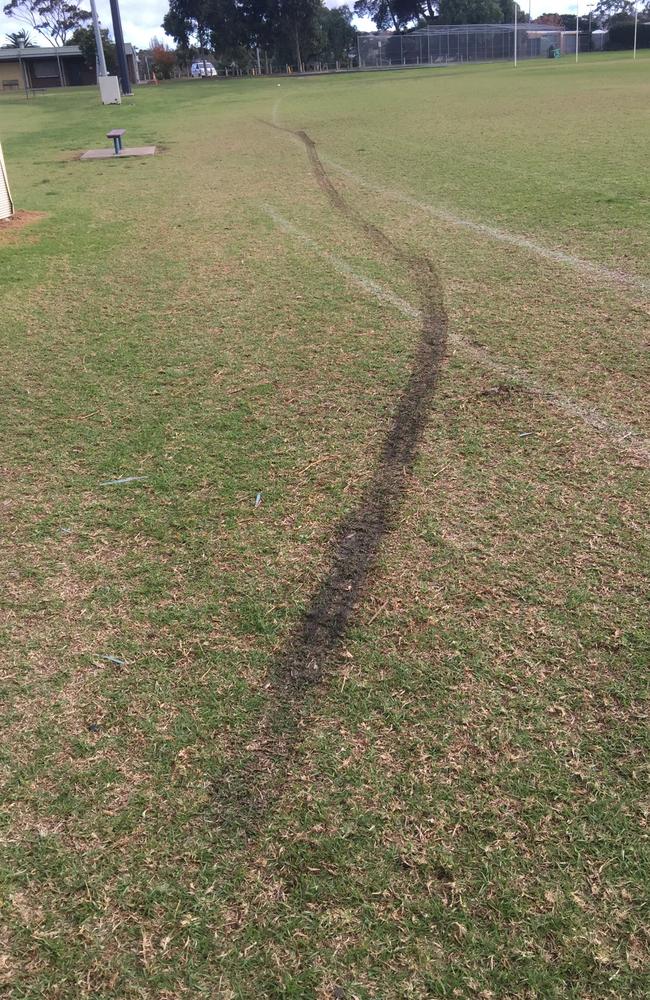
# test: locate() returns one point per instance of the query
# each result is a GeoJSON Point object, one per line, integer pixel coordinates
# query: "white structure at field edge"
{"type": "Point", "coordinates": [6, 204]}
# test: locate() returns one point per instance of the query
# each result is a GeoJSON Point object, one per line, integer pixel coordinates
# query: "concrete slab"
{"type": "Point", "coordinates": [109, 154]}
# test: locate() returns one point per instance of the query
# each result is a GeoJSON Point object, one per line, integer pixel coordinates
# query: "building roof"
{"type": "Point", "coordinates": [46, 52]}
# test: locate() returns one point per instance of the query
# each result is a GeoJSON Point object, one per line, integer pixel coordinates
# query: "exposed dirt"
{"type": "Point", "coordinates": [18, 221]}
{"type": "Point", "coordinates": [360, 535]}
{"type": "Point", "coordinates": [245, 796]}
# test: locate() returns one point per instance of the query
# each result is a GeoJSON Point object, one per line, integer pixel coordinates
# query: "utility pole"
{"type": "Point", "coordinates": [101, 58]}
{"type": "Point", "coordinates": [121, 52]}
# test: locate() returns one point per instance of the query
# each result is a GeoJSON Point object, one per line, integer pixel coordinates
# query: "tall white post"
{"type": "Point", "coordinates": [101, 60]}
{"type": "Point", "coordinates": [636, 21]}
{"type": "Point", "coordinates": [515, 50]}
{"type": "Point", "coordinates": [577, 32]}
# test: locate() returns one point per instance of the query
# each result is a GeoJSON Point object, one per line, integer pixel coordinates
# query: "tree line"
{"type": "Point", "coordinates": [277, 33]}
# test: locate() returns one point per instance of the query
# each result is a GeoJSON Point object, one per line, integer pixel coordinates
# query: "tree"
{"type": "Point", "coordinates": [621, 33]}
{"type": "Point", "coordinates": [568, 22]}
{"type": "Point", "coordinates": [607, 11]}
{"type": "Point", "coordinates": [163, 59]}
{"type": "Point", "coordinates": [18, 40]}
{"type": "Point", "coordinates": [392, 13]}
{"type": "Point", "coordinates": [188, 22]}
{"type": "Point", "coordinates": [288, 29]}
{"type": "Point", "coordinates": [480, 12]}
{"type": "Point", "coordinates": [53, 19]}
{"type": "Point", "coordinates": [470, 12]}
{"type": "Point", "coordinates": [297, 21]}
{"type": "Point", "coordinates": [337, 36]}
{"type": "Point", "coordinates": [85, 39]}
{"type": "Point", "coordinates": [508, 11]}
{"type": "Point", "coordinates": [552, 20]}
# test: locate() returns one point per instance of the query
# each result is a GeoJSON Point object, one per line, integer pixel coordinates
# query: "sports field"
{"type": "Point", "coordinates": [341, 694]}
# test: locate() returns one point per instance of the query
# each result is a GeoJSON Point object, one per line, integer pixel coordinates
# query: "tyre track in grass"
{"type": "Point", "coordinates": [244, 796]}
{"type": "Point", "coordinates": [360, 534]}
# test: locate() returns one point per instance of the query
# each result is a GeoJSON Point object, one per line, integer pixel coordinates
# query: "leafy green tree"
{"type": "Point", "coordinates": [337, 36]}
{"type": "Point", "coordinates": [188, 22]}
{"type": "Point", "coordinates": [607, 11]}
{"type": "Point", "coordinates": [470, 12]}
{"type": "Point", "coordinates": [395, 14]}
{"type": "Point", "coordinates": [53, 19]}
{"type": "Point", "coordinates": [85, 39]}
{"type": "Point", "coordinates": [298, 23]}
{"type": "Point", "coordinates": [508, 11]}
{"type": "Point", "coordinates": [480, 12]}
{"type": "Point", "coordinates": [288, 28]}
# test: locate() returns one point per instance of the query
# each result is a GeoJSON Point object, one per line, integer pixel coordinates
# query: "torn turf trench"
{"type": "Point", "coordinates": [360, 534]}
{"type": "Point", "coordinates": [245, 795]}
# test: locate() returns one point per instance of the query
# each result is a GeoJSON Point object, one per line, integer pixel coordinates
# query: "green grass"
{"type": "Point", "coordinates": [456, 810]}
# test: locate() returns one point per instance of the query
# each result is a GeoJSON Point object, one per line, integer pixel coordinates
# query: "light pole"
{"type": "Point", "coordinates": [101, 58]}
{"type": "Point", "coordinates": [636, 22]}
{"type": "Point", "coordinates": [121, 52]}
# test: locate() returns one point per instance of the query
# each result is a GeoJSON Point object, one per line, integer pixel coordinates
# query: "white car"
{"type": "Point", "coordinates": [203, 68]}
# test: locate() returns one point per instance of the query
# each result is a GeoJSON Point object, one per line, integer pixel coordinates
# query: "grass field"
{"type": "Point", "coordinates": [383, 734]}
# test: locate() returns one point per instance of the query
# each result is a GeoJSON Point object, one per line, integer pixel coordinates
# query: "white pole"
{"type": "Point", "coordinates": [636, 21]}
{"type": "Point", "coordinates": [577, 35]}
{"type": "Point", "coordinates": [516, 35]}
{"type": "Point", "coordinates": [101, 61]}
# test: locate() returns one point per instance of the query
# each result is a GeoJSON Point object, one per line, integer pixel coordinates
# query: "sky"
{"type": "Point", "coordinates": [141, 19]}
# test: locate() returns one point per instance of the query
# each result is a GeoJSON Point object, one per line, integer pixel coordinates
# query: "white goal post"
{"type": "Point", "coordinates": [6, 204]}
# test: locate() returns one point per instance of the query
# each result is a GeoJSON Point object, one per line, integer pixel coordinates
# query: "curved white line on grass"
{"type": "Point", "coordinates": [276, 107]}
{"type": "Point", "coordinates": [502, 235]}
{"type": "Point", "coordinates": [598, 271]}
{"type": "Point", "coordinates": [624, 436]}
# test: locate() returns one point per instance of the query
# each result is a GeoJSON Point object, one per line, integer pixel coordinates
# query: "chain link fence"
{"type": "Point", "coordinates": [466, 43]}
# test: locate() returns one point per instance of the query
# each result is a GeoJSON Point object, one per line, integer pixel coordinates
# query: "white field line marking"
{"type": "Point", "coordinates": [502, 235]}
{"type": "Point", "coordinates": [275, 116]}
{"type": "Point", "coordinates": [491, 232]}
{"type": "Point", "coordinates": [624, 436]}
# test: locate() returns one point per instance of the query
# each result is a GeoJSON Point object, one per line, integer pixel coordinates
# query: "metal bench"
{"type": "Point", "coordinates": [116, 135]}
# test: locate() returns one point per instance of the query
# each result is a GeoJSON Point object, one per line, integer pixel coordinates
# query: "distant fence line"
{"type": "Point", "coordinates": [469, 43]}
{"type": "Point", "coordinates": [442, 44]}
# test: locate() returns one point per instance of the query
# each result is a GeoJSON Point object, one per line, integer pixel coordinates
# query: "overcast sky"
{"type": "Point", "coordinates": [141, 19]}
